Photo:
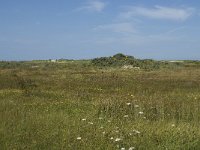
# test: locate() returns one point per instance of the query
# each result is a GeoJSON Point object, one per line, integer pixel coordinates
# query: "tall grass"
{"type": "Point", "coordinates": [74, 105]}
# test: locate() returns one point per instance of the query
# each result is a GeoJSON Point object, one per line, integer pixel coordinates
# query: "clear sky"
{"type": "Point", "coordinates": [80, 29]}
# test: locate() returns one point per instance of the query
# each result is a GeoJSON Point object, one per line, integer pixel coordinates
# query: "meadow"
{"type": "Point", "coordinates": [74, 105]}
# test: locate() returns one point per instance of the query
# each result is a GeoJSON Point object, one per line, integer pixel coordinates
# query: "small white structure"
{"type": "Point", "coordinates": [34, 66]}
{"type": "Point", "coordinates": [53, 60]}
{"type": "Point", "coordinates": [136, 68]}
{"type": "Point", "coordinates": [130, 67]}
{"type": "Point", "coordinates": [127, 67]}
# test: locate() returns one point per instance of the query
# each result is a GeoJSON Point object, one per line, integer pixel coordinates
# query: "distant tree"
{"type": "Point", "coordinates": [119, 56]}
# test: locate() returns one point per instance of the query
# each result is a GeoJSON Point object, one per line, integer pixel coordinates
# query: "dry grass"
{"type": "Point", "coordinates": [50, 106]}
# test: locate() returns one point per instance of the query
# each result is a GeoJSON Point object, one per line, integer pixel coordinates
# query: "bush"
{"type": "Point", "coordinates": [120, 60]}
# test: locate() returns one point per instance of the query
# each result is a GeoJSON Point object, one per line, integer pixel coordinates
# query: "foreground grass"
{"type": "Point", "coordinates": [76, 106]}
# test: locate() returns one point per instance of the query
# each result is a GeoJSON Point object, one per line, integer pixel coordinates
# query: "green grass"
{"type": "Point", "coordinates": [44, 105]}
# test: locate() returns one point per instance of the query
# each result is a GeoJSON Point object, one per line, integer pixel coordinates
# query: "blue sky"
{"type": "Point", "coordinates": [80, 29]}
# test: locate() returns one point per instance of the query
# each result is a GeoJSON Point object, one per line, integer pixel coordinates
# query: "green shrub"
{"type": "Point", "coordinates": [119, 60]}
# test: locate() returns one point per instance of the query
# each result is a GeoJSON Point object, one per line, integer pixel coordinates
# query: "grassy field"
{"type": "Point", "coordinates": [76, 106]}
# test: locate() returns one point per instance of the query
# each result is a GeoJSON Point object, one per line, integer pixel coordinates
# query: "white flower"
{"type": "Point", "coordinates": [173, 125]}
{"type": "Point", "coordinates": [136, 106]}
{"type": "Point", "coordinates": [83, 119]}
{"type": "Point", "coordinates": [104, 132]}
{"type": "Point", "coordinates": [141, 112]}
{"type": "Point", "coordinates": [109, 121]}
{"type": "Point", "coordinates": [78, 138]}
{"type": "Point", "coordinates": [136, 131]}
{"type": "Point", "coordinates": [117, 139]}
{"type": "Point", "coordinates": [128, 104]}
{"type": "Point", "coordinates": [131, 148]}
{"type": "Point", "coordinates": [122, 148]}
{"type": "Point", "coordinates": [101, 127]}
{"type": "Point", "coordinates": [125, 116]}
{"type": "Point", "coordinates": [111, 138]}
{"type": "Point", "coordinates": [90, 123]}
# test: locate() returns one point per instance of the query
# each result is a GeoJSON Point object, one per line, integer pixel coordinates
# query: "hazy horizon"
{"type": "Point", "coordinates": [90, 58]}
{"type": "Point", "coordinates": [86, 29]}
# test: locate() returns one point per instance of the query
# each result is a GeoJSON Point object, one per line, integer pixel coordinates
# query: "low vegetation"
{"type": "Point", "coordinates": [120, 60]}
{"type": "Point", "coordinates": [99, 105]}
